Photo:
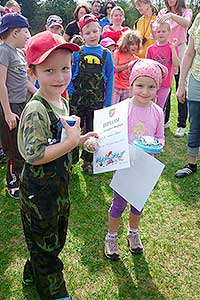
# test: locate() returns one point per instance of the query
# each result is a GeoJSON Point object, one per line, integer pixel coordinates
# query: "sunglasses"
{"type": "Point", "coordinates": [109, 7]}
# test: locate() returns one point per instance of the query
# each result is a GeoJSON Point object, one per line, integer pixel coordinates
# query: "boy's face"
{"type": "Point", "coordinates": [162, 33]}
{"type": "Point", "coordinates": [91, 34]}
{"type": "Point", "coordinates": [54, 74]}
{"type": "Point", "coordinates": [21, 36]}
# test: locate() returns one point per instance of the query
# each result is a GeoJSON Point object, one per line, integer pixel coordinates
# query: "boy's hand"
{"type": "Point", "coordinates": [73, 132]}
{"type": "Point", "coordinates": [11, 120]}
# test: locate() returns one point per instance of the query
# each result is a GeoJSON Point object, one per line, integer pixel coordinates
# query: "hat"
{"type": "Point", "coordinates": [54, 20]}
{"type": "Point", "coordinates": [86, 19]}
{"type": "Point", "coordinates": [41, 45]}
{"type": "Point", "coordinates": [12, 21]}
{"type": "Point", "coordinates": [106, 42]}
{"type": "Point", "coordinates": [149, 68]}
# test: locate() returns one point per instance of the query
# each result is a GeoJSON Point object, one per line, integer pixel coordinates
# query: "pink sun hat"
{"type": "Point", "coordinates": [147, 67]}
{"type": "Point", "coordinates": [106, 42]}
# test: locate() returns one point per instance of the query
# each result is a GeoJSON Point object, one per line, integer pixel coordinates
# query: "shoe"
{"type": "Point", "coordinates": [111, 250]}
{"type": "Point", "coordinates": [167, 125]}
{"type": "Point", "coordinates": [180, 132]}
{"type": "Point", "coordinates": [135, 244]}
{"type": "Point", "coordinates": [185, 171]}
{"type": "Point", "coordinates": [13, 193]}
{"type": "Point", "coordinates": [87, 167]}
{"type": "Point", "coordinates": [28, 278]}
{"type": "Point", "coordinates": [2, 155]}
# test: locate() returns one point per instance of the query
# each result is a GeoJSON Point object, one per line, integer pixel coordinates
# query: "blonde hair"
{"type": "Point", "coordinates": [157, 25]}
{"type": "Point", "coordinates": [12, 3]}
{"type": "Point", "coordinates": [128, 38]}
{"type": "Point", "coordinates": [116, 8]}
{"type": "Point", "coordinates": [153, 8]}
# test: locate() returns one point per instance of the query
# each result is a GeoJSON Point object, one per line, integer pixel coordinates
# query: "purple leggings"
{"type": "Point", "coordinates": [118, 206]}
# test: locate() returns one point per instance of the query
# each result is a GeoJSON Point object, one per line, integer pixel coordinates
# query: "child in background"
{"type": "Point", "coordinates": [92, 79]}
{"type": "Point", "coordinates": [77, 39]}
{"type": "Point", "coordinates": [13, 90]}
{"type": "Point", "coordinates": [144, 118]}
{"type": "Point", "coordinates": [44, 180]}
{"type": "Point", "coordinates": [11, 7]}
{"type": "Point", "coordinates": [109, 44]}
{"type": "Point", "coordinates": [129, 43]}
{"type": "Point", "coordinates": [54, 24]}
{"type": "Point", "coordinates": [165, 53]}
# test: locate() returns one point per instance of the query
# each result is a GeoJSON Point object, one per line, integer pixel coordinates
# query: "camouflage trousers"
{"type": "Point", "coordinates": [45, 213]}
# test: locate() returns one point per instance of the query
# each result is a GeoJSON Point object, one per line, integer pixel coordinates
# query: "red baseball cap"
{"type": "Point", "coordinates": [41, 45]}
{"type": "Point", "coordinates": [86, 19]}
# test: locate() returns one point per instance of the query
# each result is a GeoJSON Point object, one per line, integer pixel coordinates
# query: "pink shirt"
{"type": "Point", "coordinates": [178, 31]}
{"type": "Point", "coordinates": [145, 121]}
{"type": "Point", "coordinates": [163, 55]}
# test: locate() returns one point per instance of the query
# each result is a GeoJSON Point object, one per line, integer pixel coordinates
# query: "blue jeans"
{"type": "Point", "coordinates": [194, 130]}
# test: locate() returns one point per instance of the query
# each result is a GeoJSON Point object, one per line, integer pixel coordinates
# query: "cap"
{"type": "Point", "coordinates": [41, 45]}
{"type": "Point", "coordinates": [54, 20]}
{"type": "Point", "coordinates": [12, 21]}
{"type": "Point", "coordinates": [86, 19]}
{"type": "Point", "coordinates": [106, 42]}
{"type": "Point", "coordinates": [149, 68]}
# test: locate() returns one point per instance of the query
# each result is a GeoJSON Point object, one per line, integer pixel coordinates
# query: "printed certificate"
{"type": "Point", "coordinates": [111, 123]}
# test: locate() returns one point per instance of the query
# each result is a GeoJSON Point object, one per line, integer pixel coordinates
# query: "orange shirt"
{"type": "Point", "coordinates": [121, 79]}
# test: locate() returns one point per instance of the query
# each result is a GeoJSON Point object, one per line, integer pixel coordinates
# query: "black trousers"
{"type": "Point", "coordinates": [182, 108]}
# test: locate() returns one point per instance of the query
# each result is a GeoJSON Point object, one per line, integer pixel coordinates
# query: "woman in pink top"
{"type": "Point", "coordinates": [129, 44]}
{"type": "Point", "coordinates": [115, 30]}
{"type": "Point", "coordinates": [144, 118]}
{"type": "Point", "coordinates": [179, 17]}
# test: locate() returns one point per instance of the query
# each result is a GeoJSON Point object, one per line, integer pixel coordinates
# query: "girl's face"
{"type": "Point", "coordinates": [133, 47]}
{"type": "Point", "coordinates": [142, 7]}
{"type": "Point", "coordinates": [54, 74]}
{"type": "Point", "coordinates": [117, 18]}
{"type": "Point", "coordinates": [81, 12]}
{"type": "Point", "coordinates": [143, 90]}
{"type": "Point", "coordinates": [162, 33]}
{"type": "Point", "coordinates": [55, 29]}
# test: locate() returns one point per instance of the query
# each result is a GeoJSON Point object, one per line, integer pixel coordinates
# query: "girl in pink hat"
{"type": "Point", "coordinates": [145, 118]}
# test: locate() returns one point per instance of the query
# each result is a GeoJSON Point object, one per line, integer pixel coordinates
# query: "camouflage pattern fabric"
{"type": "Point", "coordinates": [45, 209]}
{"type": "Point", "coordinates": [89, 84]}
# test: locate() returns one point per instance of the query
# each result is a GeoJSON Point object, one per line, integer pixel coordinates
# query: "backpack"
{"type": "Point", "coordinates": [89, 84]}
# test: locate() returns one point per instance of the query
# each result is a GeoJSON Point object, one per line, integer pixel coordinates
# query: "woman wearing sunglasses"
{"type": "Point", "coordinates": [107, 10]}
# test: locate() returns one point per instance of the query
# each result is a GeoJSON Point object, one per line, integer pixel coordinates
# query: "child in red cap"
{"type": "Point", "coordinates": [45, 141]}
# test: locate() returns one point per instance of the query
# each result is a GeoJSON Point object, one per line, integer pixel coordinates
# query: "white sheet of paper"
{"type": "Point", "coordinates": [137, 182]}
{"type": "Point", "coordinates": [111, 124]}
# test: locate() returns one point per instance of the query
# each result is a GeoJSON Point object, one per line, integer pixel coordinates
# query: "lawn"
{"type": "Point", "coordinates": [170, 230]}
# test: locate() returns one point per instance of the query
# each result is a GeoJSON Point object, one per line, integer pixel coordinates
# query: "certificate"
{"type": "Point", "coordinates": [111, 124]}
{"type": "Point", "coordinates": [136, 183]}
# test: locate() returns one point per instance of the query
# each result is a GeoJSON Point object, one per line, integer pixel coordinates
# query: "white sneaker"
{"type": "Point", "coordinates": [167, 125]}
{"type": "Point", "coordinates": [111, 248]}
{"type": "Point", "coordinates": [180, 132]}
{"type": "Point", "coordinates": [135, 243]}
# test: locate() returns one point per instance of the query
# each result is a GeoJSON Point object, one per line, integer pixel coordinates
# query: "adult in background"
{"type": "Point", "coordinates": [115, 30]}
{"type": "Point", "coordinates": [96, 8]}
{"type": "Point", "coordinates": [191, 62]}
{"type": "Point", "coordinates": [143, 24]}
{"type": "Point", "coordinates": [179, 17]}
{"type": "Point", "coordinates": [73, 28]}
{"type": "Point", "coordinates": [107, 10]}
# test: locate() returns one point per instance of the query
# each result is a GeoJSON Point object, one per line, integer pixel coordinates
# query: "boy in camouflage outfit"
{"type": "Point", "coordinates": [45, 177]}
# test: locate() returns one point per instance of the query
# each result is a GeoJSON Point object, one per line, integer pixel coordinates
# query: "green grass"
{"type": "Point", "coordinates": [170, 228]}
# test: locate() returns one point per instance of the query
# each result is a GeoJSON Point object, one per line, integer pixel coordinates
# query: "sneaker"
{"type": "Point", "coordinates": [87, 167]}
{"type": "Point", "coordinates": [27, 278]}
{"type": "Point", "coordinates": [111, 248]}
{"type": "Point", "coordinates": [135, 244]}
{"type": "Point", "coordinates": [185, 171]}
{"type": "Point", "coordinates": [180, 131]}
{"type": "Point", "coordinates": [2, 155]}
{"type": "Point", "coordinates": [13, 193]}
{"type": "Point", "coordinates": [167, 125]}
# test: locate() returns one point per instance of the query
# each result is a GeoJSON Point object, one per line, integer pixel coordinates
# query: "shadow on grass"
{"type": "Point", "coordinates": [145, 287]}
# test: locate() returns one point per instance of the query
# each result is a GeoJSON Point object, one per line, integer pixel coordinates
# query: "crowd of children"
{"type": "Point", "coordinates": [40, 146]}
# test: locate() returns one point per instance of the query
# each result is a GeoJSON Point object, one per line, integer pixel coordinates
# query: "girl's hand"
{"type": "Point", "coordinates": [165, 17]}
{"type": "Point", "coordinates": [174, 42]}
{"type": "Point", "coordinates": [181, 94]}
